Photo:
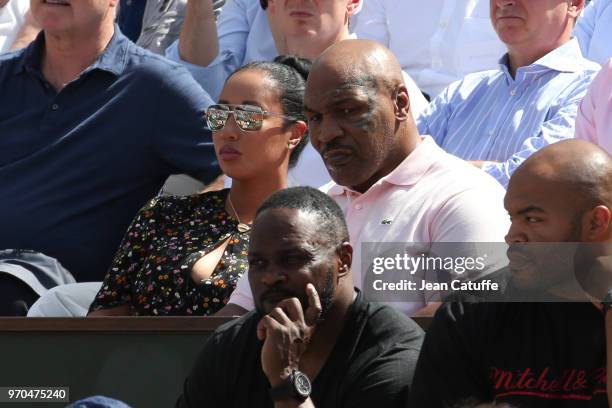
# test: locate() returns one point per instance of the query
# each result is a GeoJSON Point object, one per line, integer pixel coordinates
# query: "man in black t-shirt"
{"type": "Point", "coordinates": [532, 354]}
{"type": "Point", "coordinates": [313, 340]}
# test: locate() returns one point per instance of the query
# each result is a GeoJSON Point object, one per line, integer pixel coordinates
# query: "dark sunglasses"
{"type": "Point", "coordinates": [248, 117]}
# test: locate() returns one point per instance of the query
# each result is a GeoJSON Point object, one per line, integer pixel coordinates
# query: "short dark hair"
{"type": "Point", "coordinates": [330, 217]}
{"type": "Point", "coordinates": [289, 73]}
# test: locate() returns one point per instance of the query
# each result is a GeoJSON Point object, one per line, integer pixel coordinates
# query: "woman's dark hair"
{"type": "Point", "coordinates": [290, 74]}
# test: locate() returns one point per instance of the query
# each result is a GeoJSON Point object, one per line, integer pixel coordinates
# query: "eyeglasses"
{"type": "Point", "coordinates": [248, 117]}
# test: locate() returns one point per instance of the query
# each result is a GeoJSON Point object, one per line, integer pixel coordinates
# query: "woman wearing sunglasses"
{"type": "Point", "coordinates": [184, 255]}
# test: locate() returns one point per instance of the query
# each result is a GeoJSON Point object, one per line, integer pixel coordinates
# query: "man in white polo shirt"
{"type": "Point", "coordinates": [392, 184]}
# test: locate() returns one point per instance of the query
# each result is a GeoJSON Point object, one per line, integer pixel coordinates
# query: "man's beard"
{"type": "Point", "coordinates": [327, 295]}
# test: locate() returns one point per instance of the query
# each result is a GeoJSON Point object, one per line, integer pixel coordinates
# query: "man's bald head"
{"type": "Point", "coordinates": [582, 168]}
{"type": "Point", "coordinates": [360, 62]}
{"type": "Point", "coordinates": [358, 112]}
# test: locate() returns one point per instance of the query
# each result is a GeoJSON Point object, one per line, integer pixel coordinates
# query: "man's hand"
{"type": "Point", "coordinates": [286, 333]}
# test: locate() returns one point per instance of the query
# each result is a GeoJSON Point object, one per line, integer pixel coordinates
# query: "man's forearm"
{"type": "Point", "coordinates": [198, 41]}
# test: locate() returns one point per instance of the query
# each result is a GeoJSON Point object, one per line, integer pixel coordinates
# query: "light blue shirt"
{"type": "Point", "coordinates": [594, 31]}
{"type": "Point", "coordinates": [502, 120]}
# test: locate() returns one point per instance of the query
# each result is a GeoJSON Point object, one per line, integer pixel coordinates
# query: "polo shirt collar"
{"type": "Point", "coordinates": [408, 172]}
{"type": "Point", "coordinates": [31, 56]}
{"type": "Point", "coordinates": [113, 59]}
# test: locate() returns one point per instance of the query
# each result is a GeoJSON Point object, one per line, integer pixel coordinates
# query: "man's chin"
{"type": "Point", "coordinates": [524, 278]}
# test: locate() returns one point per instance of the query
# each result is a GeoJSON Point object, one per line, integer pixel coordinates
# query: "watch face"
{"type": "Point", "coordinates": [302, 384]}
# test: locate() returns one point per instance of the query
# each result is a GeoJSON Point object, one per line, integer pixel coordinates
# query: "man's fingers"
{"type": "Point", "coordinates": [265, 325]}
{"type": "Point", "coordinates": [280, 316]}
{"type": "Point", "coordinates": [292, 308]}
{"type": "Point", "coordinates": [314, 305]}
{"type": "Point", "coordinates": [261, 330]}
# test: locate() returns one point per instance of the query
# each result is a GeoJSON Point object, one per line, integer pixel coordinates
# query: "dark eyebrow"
{"type": "Point", "coordinates": [307, 109]}
{"type": "Point", "coordinates": [251, 103]}
{"type": "Point", "coordinates": [531, 208]}
{"type": "Point", "coordinates": [342, 101]}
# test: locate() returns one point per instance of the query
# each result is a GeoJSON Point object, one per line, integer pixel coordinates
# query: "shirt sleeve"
{"type": "Point", "coordinates": [242, 295]}
{"type": "Point", "coordinates": [473, 215]}
{"type": "Point", "coordinates": [232, 30]}
{"type": "Point", "coordinates": [560, 125]}
{"type": "Point", "coordinates": [473, 224]}
{"type": "Point", "coordinates": [179, 134]}
{"type": "Point", "coordinates": [371, 22]}
{"type": "Point", "coordinates": [433, 121]}
{"type": "Point", "coordinates": [448, 369]}
{"type": "Point", "coordinates": [585, 27]}
{"type": "Point", "coordinates": [585, 119]}
{"type": "Point", "coordinates": [116, 288]}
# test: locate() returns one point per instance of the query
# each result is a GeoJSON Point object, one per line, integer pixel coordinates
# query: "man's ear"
{"type": "Point", "coordinates": [401, 103]}
{"type": "Point", "coordinates": [597, 224]}
{"type": "Point", "coordinates": [575, 8]}
{"type": "Point", "coordinates": [345, 256]}
{"type": "Point", "coordinates": [352, 6]}
{"type": "Point", "coordinates": [270, 6]}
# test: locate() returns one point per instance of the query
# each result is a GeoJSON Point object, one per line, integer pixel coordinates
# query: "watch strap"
{"type": "Point", "coordinates": [287, 389]}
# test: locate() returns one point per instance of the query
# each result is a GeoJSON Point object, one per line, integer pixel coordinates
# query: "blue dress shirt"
{"type": "Point", "coordinates": [76, 165]}
{"type": "Point", "coordinates": [502, 120]}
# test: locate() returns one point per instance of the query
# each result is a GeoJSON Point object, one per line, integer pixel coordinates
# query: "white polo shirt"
{"type": "Point", "coordinates": [430, 197]}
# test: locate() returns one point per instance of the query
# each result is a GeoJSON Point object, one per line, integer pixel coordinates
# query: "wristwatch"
{"type": "Point", "coordinates": [297, 386]}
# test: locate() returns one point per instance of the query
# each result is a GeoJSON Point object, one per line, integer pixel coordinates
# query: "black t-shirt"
{"type": "Point", "coordinates": [525, 354]}
{"type": "Point", "coordinates": [371, 365]}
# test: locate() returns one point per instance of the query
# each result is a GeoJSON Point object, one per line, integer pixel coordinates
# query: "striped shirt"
{"type": "Point", "coordinates": [502, 120]}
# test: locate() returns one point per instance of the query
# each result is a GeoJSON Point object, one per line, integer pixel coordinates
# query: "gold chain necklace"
{"type": "Point", "coordinates": [242, 227]}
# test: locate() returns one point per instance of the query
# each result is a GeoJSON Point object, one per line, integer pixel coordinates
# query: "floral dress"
{"type": "Point", "coordinates": [152, 268]}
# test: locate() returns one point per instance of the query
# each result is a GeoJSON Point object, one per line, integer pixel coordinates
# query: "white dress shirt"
{"type": "Point", "coordinates": [436, 41]}
{"type": "Point", "coordinates": [11, 19]}
{"type": "Point", "coordinates": [594, 31]}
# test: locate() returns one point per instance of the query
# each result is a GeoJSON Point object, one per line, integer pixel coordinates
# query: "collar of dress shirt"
{"type": "Point", "coordinates": [112, 59]}
{"type": "Point", "coordinates": [566, 58]}
{"type": "Point", "coordinates": [409, 171]}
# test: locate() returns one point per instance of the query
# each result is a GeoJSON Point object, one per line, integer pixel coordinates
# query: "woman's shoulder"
{"type": "Point", "coordinates": [171, 206]}
{"type": "Point", "coordinates": [209, 199]}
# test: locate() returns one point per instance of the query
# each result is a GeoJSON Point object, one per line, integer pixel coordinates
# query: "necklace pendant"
{"type": "Point", "coordinates": [242, 227]}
